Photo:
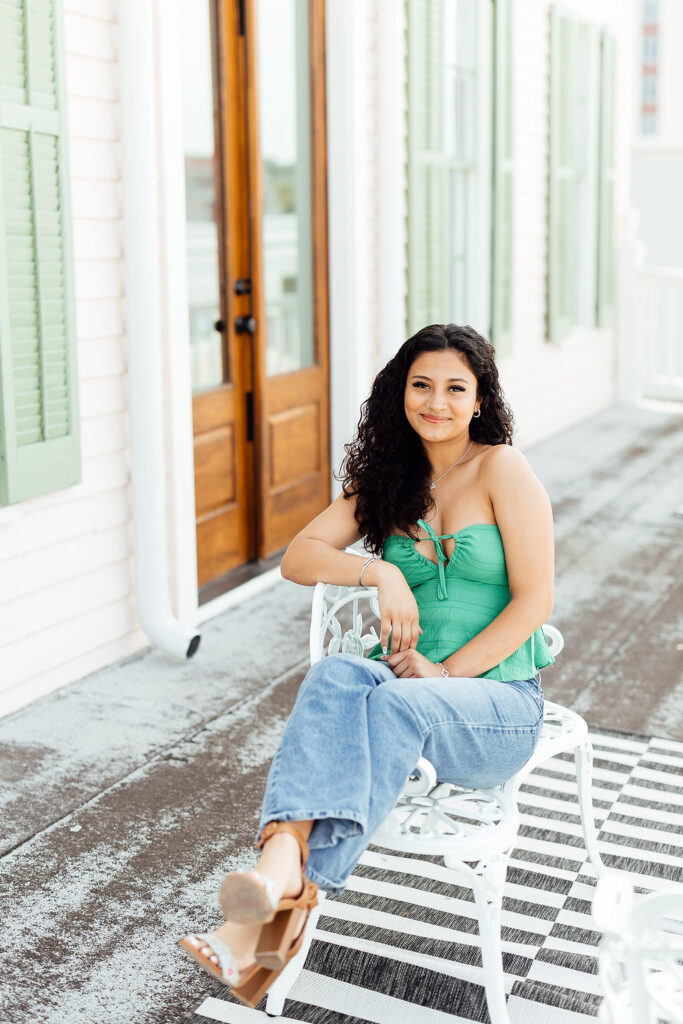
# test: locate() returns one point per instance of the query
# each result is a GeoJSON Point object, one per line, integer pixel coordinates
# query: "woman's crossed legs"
{"type": "Point", "coordinates": [354, 735]}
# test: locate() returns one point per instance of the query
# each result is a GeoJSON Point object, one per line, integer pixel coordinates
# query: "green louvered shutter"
{"type": "Point", "coordinates": [428, 221]}
{"type": "Point", "coordinates": [606, 268]}
{"type": "Point", "coordinates": [503, 179]}
{"type": "Point", "coordinates": [39, 431]}
{"type": "Point", "coordinates": [562, 195]}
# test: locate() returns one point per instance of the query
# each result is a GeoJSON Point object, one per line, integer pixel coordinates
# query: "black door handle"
{"type": "Point", "coordinates": [245, 324]}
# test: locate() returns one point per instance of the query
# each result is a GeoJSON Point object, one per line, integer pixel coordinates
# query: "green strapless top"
{"type": "Point", "coordinates": [458, 598]}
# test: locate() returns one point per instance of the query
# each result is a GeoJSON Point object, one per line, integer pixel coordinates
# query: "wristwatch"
{"type": "Point", "coordinates": [444, 670]}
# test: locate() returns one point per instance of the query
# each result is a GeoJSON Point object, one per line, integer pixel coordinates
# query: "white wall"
{"type": "Point", "coordinates": [65, 558]}
{"type": "Point", "coordinates": [549, 385]}
{"type": "Point", "coordinates": [553, 385]}
{"type": "Point", "coordinates": [657, 169]}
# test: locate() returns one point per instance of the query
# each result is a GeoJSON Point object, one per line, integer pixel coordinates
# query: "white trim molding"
{"type": "Point", "coordinates": [392, 170]}
{"type": "Point", "coordinates": [348, 197]}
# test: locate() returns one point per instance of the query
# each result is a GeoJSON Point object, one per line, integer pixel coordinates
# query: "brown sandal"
{"type": "Point", "coordinates": [216, 958]}
{"type": "Point", "coordinates": [249, 986]}
{"type": "Point", "coordinates": [256, 984]}
{"type": "Point", "coordinates": [274, 948]}
{"type": "Point", "coordinates": [249, 897]}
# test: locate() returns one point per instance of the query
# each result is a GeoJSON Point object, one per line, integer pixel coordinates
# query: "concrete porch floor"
{"type": "Point", "coordinates": [127, 795]}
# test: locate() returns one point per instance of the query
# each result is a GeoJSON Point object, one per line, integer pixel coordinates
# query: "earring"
{"type": "Point", "coordinates": [475, 414]}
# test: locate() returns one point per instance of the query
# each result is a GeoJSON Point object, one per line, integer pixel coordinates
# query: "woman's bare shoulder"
{"type": "Point", "coordinates": [510, 479]}
{"type": "Point", "coordinates": [503, 458]}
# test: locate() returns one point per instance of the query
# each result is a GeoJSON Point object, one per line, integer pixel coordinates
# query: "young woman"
{"type": "Point", "coordinates": [463, 531]}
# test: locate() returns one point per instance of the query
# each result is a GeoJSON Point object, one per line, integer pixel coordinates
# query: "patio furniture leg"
{"type": "Point", "coordinates": [279, 990]}
{"type": "Point", "coordinates": [583, 758]}
{"type": "Point", "coordinates": [488, 896]}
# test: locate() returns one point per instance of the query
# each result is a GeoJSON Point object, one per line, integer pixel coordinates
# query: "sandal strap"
{"type": "Point", "coordinates": [227, 963]}
{"type": "Point", "coordinates": [310, 895]}
{"type": "Point", "coordinates": [284, 826]}
{"type": "Point", "coordinates": [306, 900]}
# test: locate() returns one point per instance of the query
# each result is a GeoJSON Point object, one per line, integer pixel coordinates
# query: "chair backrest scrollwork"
{"type": "Point", "coordinates": [329, 602]}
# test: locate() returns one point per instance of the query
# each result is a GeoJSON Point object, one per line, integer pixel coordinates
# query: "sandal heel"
{"type": "Point", "coordinates": [276, 938]}
{"type": "Point", "coordinates": [252, 991]}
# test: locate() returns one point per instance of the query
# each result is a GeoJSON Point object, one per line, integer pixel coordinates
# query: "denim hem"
{"type": "Point", "coordinates": [324, 883]}
{"type": "Point", "coordinates": [307, 815]}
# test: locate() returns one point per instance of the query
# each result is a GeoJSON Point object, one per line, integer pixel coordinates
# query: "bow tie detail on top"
{"type": "Point", "coordinates": [442, 591]}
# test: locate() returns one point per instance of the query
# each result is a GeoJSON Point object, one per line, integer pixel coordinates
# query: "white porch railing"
{"type": "Point", "coordinates": [649, 321]}
{"type": "Point", "coordinates": [659, 331]}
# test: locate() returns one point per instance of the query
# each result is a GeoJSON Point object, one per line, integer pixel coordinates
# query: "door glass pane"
{"type": "Point", "coordinates": [285, 128]}
{"type": "Point", "coordinates": [202, 176]}
{"type": "Point", "coordinates": [458, 205]}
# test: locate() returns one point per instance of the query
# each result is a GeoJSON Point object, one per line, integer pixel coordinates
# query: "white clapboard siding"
{"type": "Point", "coordinates": [93, 118]}
{"type": "Point", "coordinates": [90, 77]}
{"type": "Point", "coordinates": [89, 35]}
{"type": "Point", "coordinates": [93, 157]}
{"type": "Point", "coordinates": [66, 566]}
{"type": "Point", "coordinates": [97, 241]}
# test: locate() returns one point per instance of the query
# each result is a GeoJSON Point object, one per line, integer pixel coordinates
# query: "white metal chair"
{"type": "Point", "coordinates": [474, 829]}
{"type": "Point", "coordinates": [640, 957]}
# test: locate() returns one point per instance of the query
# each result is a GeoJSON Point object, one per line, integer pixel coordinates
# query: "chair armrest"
{"type": "Point", "coordinates": [328, 600]}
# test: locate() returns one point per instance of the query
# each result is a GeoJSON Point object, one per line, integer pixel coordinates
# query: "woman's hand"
{"type": "Point", "coordinates": [411, 665]}
{"type": "Point", "coordinates": [398, 610]}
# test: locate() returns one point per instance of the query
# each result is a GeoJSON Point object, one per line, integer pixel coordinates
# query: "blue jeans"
{"type": "Point", "coordinates": [355, 734]}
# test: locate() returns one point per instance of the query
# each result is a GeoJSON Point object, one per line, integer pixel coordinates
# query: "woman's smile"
{"type": "Point", "coordinates": [434, 419]}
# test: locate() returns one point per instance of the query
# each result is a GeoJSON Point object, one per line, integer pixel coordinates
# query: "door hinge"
{"type": "Point", "coordinates": [250, 415]}
{"type": "Point", "coordinates": [242, 15]}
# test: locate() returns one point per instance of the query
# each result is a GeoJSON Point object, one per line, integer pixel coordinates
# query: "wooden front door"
{"type": "Point", "coordinates": [257, 271]}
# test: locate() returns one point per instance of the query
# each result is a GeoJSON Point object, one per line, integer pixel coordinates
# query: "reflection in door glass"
{"type": "Point", "coordinates": [285, 119]}
{"type": "Point", "coordinates": [201, 190]}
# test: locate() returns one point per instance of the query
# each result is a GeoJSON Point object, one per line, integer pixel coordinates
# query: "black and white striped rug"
{"type": "Point", "coordinates": [402, 945]}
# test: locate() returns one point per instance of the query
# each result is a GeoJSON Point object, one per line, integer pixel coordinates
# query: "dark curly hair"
{"type": "Point", "coordinates": [386, 465]}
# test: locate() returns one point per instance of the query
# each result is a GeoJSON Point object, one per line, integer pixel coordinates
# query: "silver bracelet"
{"type": "Point", "coordinates": [444, 670]}
{"type": "Point", "coordinates": [366, 563]}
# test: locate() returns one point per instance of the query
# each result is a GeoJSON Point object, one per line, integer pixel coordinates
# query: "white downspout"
{"type": "Point", "coordinates": [143, 329]}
